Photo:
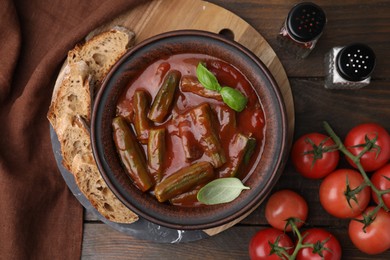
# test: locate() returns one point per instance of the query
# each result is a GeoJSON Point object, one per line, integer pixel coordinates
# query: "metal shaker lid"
{"type": "Point", "coordinates": [305, 22]}
{"type": "Point", "coordinates": [355, 62]}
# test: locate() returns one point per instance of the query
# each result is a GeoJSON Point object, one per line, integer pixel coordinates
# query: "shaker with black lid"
{"type": "Point", "coordinates": [302, 28]}
{"type": "Point", "coordinates": [349, 67]}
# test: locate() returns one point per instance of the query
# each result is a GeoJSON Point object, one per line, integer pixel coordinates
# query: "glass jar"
{"type": "Point", "coordinates": [301, 29]}
{"type": "Point", "coordinates": [349, 67]}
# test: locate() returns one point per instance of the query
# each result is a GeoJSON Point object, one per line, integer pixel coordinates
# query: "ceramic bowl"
{"type": "Point", "coordinates": [267, 169]}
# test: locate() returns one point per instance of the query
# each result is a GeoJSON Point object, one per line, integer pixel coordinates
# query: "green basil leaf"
{"type": "Point", "coordinates": [206, 78]}
{"type": "Point", "coordinates": [230, 96]}
{"type": "Point", "coordinates": [234, 98]}
{"type": "Point", "coordinates": [222, 190]}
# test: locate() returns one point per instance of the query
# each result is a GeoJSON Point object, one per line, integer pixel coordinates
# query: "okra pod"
{"type": "Point", "coordinates": [206, 135]}
{"type": "Point", "coordinates": [192, 84]}
{"type": "Point", "coordinates": [184, 180]}
{"type": "Point", "coordinates": [141, 103]}
{"type": "Point", "coordinates": [162, 103]}
{"type": "Point", "coordinates": [240, 151]}
{"type": "Point", "coordinates": [131, 155]}
{"type": "Point", "coordinates": [188, 198]}
{"type": "Point", "coordinates": [156, 152]}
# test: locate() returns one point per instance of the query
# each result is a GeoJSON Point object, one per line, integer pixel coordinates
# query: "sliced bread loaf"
{"type": "Point", "coordinates": [70, 114]}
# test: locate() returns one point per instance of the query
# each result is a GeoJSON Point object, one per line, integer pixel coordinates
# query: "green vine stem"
{"type": "Point", "coordinates": [282, 251]}
{"type": "Point", "coordinates": [319, 246]}
{"type": "Point", "coordinates": [356, 160]}
{"type": "Point", "coordinates": [299, 245]}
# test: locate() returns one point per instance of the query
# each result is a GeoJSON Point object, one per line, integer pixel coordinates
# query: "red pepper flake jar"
{"type": "Point", "coordinates": [349, 67]}
{"type": "Point", "coordinates": [302, 29]}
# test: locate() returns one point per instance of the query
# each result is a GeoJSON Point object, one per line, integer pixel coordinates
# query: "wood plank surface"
{"type": "Point", "coordinates": [101, 242]}
{"type": "Point", "coordinates": [348, 21]}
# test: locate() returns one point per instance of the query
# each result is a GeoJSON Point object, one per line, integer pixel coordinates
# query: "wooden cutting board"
{"type": "Point", "coordinates": [160, 16]}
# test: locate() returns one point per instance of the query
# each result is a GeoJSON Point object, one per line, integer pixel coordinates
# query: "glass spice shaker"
{"type": "Point", "coordinates": [302, 29]}
{"type": "Point", "coordinates": [349, 67]}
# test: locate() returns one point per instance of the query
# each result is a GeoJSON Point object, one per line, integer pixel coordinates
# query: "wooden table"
{"type": "Point", "coordinates": [348, 22]}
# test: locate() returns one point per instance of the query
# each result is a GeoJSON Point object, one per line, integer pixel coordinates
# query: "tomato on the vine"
{"type": "Point", "coordinates": [375, 238]}
{"type": "Point", "coordinates": [285, 204]}
{"type": "Point", "coordinates": [381, 183]}
{"type": "Point", "coordinates": [333, 193]}
{"type": "Point", "coordinates": [326, 246]}
{"type": "Point", "coordinates": [313, 155]}
{"type": "Point", "coordinates": [378, 155]}
{"type": "Point", "coordinates": [260, 248]}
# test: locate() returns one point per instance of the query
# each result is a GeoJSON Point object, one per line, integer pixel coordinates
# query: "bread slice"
{"type": "Point", "coordinates": [70, 114]}
{"type": "Point", "coordinates": [72, 97]}
{"type": "Point", "coordinates": [81, 76]}
{"type": "Point", "coordinates": [92, 185]}
{"type": "Point", "coordinates": [102, 51]}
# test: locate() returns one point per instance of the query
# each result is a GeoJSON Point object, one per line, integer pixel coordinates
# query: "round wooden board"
{"type": "Point", "coordinates": [160, 16]}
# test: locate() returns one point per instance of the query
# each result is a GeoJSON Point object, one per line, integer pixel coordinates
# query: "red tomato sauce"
{"type": "Point", "coordinates": [249, 122]}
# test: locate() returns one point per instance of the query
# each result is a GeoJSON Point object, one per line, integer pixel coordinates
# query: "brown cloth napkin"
{"type": "Point", "coordinates": [40, 218]}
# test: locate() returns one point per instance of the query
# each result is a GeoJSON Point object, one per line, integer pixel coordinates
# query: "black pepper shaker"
{"type": "Point", "coordinates": [302, 28]}
{"type": "Point", "coordinates": [349, 67]}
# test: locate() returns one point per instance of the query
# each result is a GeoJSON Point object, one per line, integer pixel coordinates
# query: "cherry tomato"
{"type": "Point", "coordinates": [332, 193]}
{"type": "Point", "coordinates": [326, 246]}
{"type": "Point", "coordinates": [311, 156]}
{"type": "Point", "coordinates": [259, 247]}
{"type": "Point", "coordinates": [381, 183]}
{"type": "Point", "coordinates": [285, 204]}
{"type": "Point", "coordinates": [376, 237]}
{"type": "Point", "coordinates": [374, 158]}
